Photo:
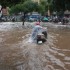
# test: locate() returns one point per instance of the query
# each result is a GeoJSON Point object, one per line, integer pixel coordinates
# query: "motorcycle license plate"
{"type": "Point", "coordinates": [39, 42]}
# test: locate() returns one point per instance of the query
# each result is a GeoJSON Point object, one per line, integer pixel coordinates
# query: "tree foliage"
{"type": "Point", "coordinates": [47, 5]}
{"type": "Point", "coordinates": [61, 5]}
{"type": "Point", "coordinates": [11, 2]}
{"type": "Point", "coordinates": [27, 6]}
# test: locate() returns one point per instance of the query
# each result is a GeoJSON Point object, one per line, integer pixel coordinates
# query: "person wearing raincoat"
{"type": "Point", "coordinates": [38, 32]}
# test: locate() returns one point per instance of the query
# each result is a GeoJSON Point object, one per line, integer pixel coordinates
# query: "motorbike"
{"type": "Point", "coordinates": [41, 38]}
{"type": "Point", "coordinates": [39, 35]}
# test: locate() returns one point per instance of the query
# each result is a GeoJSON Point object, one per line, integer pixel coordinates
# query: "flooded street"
{"type": "Point", "coordinates": [16, 53]}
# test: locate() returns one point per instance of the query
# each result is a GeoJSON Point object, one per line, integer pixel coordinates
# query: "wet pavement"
{"type": "Point", "coordinates": [16, 53]}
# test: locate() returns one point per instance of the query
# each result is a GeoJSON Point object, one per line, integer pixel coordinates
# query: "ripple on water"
{"type": "Point", "coordinates": [30, 56]}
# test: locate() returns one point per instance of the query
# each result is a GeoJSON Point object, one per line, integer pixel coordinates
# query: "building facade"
{"type": "Point", "coordinates": [5, 11]}
{"type": "Point", "coordinates": [36, 1]}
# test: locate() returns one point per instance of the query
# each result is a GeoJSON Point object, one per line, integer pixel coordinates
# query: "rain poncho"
{"type": "Point", "coordinates": [37, 30]}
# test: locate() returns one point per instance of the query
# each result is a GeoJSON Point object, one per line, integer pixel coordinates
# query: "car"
{"type": "Point", "coordinates": [34, 17]}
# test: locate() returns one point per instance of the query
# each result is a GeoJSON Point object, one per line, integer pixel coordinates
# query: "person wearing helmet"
{"type": "Point", "coordinates": [38, 34]}
{"type": "Point", "coordinates": [36, 30]}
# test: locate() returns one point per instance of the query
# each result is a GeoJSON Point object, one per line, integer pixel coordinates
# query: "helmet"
{"type": "Point", "coordinates": [37, 23]}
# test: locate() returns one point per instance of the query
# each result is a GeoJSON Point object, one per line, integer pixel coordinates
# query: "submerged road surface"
{"type": "Point", "coordinates": [16, 53]}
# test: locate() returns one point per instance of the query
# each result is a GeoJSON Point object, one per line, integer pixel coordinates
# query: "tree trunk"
{"type": "Point", "coordinates": [23, 19]}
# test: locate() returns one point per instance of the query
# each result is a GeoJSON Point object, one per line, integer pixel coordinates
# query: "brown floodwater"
{"type": "Point", "coordinates": [16, 53]}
